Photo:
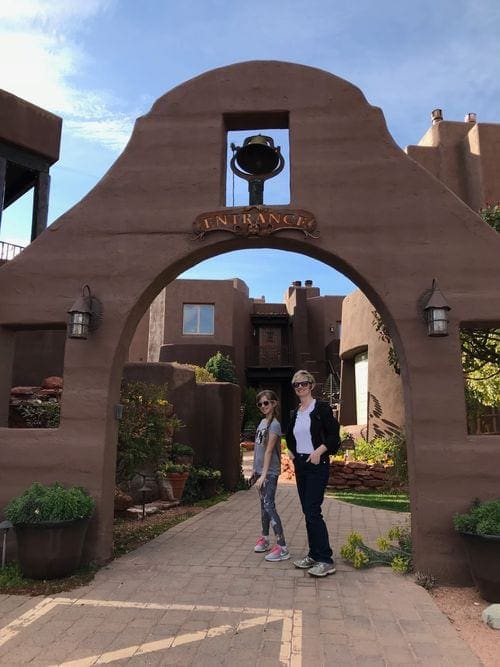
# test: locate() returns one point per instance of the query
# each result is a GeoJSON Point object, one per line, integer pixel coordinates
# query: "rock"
{"type": "Point", "coordinates": [122, 500]}
{"type": "Point", "coordinates": [52, 382]}
{"type": "Point", "coordinates": [491, 616]}
{"type": "Point", "coordinates": [23, 391]}
{"type": "Point", "coordinates": [135, 512]}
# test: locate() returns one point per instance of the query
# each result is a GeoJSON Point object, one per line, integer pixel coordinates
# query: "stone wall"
{"type": "Point", "coordinates": [348, 474]}
{"type": "Point", "coordinates": [358, 475]}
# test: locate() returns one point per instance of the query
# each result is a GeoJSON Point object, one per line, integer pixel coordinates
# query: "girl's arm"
{"type": "Point", "coordinates": [271, 442]}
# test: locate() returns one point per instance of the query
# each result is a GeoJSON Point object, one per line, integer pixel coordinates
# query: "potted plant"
{"type": "Point", "coordinates": [176, 475]}
{"type": "Point", "coordinates": [480, 530]}
{"type": "Point", "coordinates": [182, 453]}
{"type": "Point", "coordinates": [50, 525]}
{"type": "Point", "coordinates": [208, 479]}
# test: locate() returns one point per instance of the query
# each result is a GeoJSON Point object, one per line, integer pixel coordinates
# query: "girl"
{"type": "Point", "coordinates": [312, 435]}
{"type": "Point", "coordinates": [267, 468]}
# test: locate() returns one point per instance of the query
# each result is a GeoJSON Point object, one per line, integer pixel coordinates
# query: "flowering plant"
{"type": "Point", "coordinates": [395, 550]}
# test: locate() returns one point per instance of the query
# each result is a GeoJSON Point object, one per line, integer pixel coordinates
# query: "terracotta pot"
{"type": "Point", "coordinates": [483, 554]}
{"type": "Point", "coordinates": [177, 481]}
{"type": "Point", "coordinates": [50, 549]}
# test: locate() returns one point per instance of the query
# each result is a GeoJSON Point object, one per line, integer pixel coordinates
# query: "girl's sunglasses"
{"type": "Point", "coordinates": [261, 403]}
{"type": "Point", "coordinates": [304, 383]}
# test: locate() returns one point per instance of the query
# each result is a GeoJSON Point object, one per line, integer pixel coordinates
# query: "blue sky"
{"type": "Point", "coordinates": [101, 63]}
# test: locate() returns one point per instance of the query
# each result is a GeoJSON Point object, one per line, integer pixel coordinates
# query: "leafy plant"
{"type": "Point", "coordinates": [50, 503]}
{"type": "Point", "coordinates": [251, 413]}
{"type": "Point", "coordinates": [181, 449]}
{"type": "Point", "coordinates": [205, 472]}
{"type": "Point", "coordinates": [147, 426]}
{"type": "Point", "coordinates": [395, 550]}
{"type": "Point", "coordinates": [200, 373]}
{"type": "Point", "coordinates": [170, 466]}
{"type": "Point", "coordinates": [483, 518]}
{"type": "Point", "coordinates": [222, 368]}
{"type": "Point", "coordinates": [491, 214]}
{"type": "Point", "coordinates": [40, 414]}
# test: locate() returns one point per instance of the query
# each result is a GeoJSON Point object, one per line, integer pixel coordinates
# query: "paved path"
{"type": "Point", "coordinates": [199, 595]}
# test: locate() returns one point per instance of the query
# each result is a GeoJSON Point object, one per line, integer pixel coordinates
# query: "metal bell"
{"type": "Point", "coordinates": [258, 155]}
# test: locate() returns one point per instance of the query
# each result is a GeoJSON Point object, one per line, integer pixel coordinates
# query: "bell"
{"type": "Point", "coordinates": [258, 155]}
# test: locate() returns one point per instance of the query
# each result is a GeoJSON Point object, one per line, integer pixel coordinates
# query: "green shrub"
{"type": "Point", "coordinates": [170, 466]}
{"type": "Point", "coordinates": [50, 503]}
{"type": "Point", "coordinates": [206, 472]}
{"type": "Point", "coordinates": [222, 368]}
{"type": "Point", "coordinates": [201, 374]}
{"type": "Point", "coordinates": [251, 413]}
{"type": "Point", "coordinates": [144, 431]}
{"type": "Point", "coordinates": [40, 414]}
{"type": "Point", "coordinates": [180, 449]}
{"type": "Point", "coordinates": [482, 519]}
{"type": "Point", "coordinates": [385, 450]}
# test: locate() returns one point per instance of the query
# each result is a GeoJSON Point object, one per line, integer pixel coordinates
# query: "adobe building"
{"type": "Point", "coordinates": [191, 320]}
{"type": "Point", "coordinates": [358, 203]}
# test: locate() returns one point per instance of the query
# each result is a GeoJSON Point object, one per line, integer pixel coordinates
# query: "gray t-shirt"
{"type": "Point", "coordinates": [259, 450]}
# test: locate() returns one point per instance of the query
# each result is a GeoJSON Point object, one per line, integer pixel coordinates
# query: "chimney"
{"type": "Point", "coordinates": [297, 283]}
{"type": "Point", "coordinates": [470, 117]}
{"type": "Point", "coordinates": [308, 283]}
{"type": "Point", "coordinates": [436, 116]}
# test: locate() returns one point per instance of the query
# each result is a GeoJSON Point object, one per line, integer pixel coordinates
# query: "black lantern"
{"type": "Point", "coordinates": [84, 315]}
{"type": "Point", "coordinates": [435, 310]}
{"type": "Point", "coordinates": [256, 161]}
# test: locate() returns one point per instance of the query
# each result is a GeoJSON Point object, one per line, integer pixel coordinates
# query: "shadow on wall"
{"type": "Point", "coordinates": [378, 426]}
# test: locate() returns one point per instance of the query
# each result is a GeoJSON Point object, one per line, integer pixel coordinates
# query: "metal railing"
{"type": "Point", "coordinates": [9, 250]}
{"type": "Point", "coordinates": [269, 356]}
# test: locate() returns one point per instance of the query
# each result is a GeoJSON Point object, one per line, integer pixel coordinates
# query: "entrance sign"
{"type": "Point", "coordinates": [256, 221]}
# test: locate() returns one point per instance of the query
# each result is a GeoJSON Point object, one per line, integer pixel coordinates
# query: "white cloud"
{"type": "Point", "coordinates": [38, 40]}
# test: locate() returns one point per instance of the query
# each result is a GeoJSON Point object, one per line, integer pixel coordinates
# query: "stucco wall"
{"type": "Point", "coordinates": [382, 220]}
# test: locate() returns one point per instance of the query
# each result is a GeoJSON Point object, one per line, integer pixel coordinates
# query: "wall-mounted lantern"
{"type": "Point", "coordinates": [84, 315]}
{"type": "Point", "coordinates": [435, 310]}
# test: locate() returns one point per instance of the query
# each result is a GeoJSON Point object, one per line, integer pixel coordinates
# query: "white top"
{"type": "Point", "coordinates": [302, 430]}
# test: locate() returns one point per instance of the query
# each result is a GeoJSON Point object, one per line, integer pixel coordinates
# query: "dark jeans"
{"type": "Point", "coordinates": [311, 483]}
{"type": "Point", "coordinates": [269, 514]}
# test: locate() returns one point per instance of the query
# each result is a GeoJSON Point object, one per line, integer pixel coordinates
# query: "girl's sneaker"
{"type": "Point", "coordinates": [278, 553]}
{"type": "Point", "coordinates": [262, 544]}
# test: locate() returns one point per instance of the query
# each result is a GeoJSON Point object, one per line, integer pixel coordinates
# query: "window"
{"type": "Point", "coordinates": [198, 319]}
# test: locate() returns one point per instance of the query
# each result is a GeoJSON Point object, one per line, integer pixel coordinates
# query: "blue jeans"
{"type": "Point", "coordinates": [311, 482]}
{"type": "Point", "coordinates": [268, 512]}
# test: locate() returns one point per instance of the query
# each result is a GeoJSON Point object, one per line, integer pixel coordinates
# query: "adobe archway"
{"type": "Point", "coordinates": [382, 220]}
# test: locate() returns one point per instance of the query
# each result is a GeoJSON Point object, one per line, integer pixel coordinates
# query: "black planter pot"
{"type": "Point", "coordinates": [483, 554]}
{"type": "Point", "coordinates": [50, 549]}
{"type": "Point", "coordinates": [208, 486]}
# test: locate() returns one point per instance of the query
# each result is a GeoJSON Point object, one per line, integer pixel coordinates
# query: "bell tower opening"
{"type": "Point", "coordinates": [257, 159]}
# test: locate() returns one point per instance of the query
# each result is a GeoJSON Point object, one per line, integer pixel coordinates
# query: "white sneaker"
{"type": "Point", "coordinates": [278, 553]}
{"type": "Point", "coordinates": [262, 545]}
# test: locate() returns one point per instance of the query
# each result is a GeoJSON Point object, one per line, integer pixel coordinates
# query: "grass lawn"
{"type": "Point", "coordinates": [397, 502]}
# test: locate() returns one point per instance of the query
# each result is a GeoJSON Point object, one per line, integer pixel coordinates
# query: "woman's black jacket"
{"type": "Point", "coordinates": [324, 430]}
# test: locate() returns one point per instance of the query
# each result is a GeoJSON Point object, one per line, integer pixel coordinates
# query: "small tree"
{"type": "Point", "coordinates": [146, 428]}
{"type": "Point", "coordinates": [222, 368]}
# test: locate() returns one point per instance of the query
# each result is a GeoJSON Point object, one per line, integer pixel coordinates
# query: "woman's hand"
{"type": "Point", "coordinates": [315, 457]}
{"type": "Point", "coordinates": [260, 482]}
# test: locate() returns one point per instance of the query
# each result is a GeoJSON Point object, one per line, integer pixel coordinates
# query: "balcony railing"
{"type": "Point", "coordinates": [269, 356]}
{"type": "Point", "coordinates": [9, 250]}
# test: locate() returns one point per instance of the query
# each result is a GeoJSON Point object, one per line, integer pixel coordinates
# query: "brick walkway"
{"type": "Point", "coordinates": [198, 595]}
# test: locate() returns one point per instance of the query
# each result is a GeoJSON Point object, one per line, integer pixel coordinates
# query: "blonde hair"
{"type": "Point", "coordinates": [305, 375]}
{"type": "Point", "coordinates": [271, 396]}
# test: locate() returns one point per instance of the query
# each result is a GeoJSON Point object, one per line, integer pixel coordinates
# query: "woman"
{"type": "Point", "coordinates": [312, 435]}
{"type": "Point", "coordinates": [267, 468]}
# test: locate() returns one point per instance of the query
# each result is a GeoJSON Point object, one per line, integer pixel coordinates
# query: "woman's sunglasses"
{"type": "Point", "coordinates": [261, 403]}
{"type": "Point", "coordinates": [304, 383]}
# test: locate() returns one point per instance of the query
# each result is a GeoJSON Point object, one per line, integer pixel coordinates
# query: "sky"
{"type": "Point", "coordinates": [99, 64]}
